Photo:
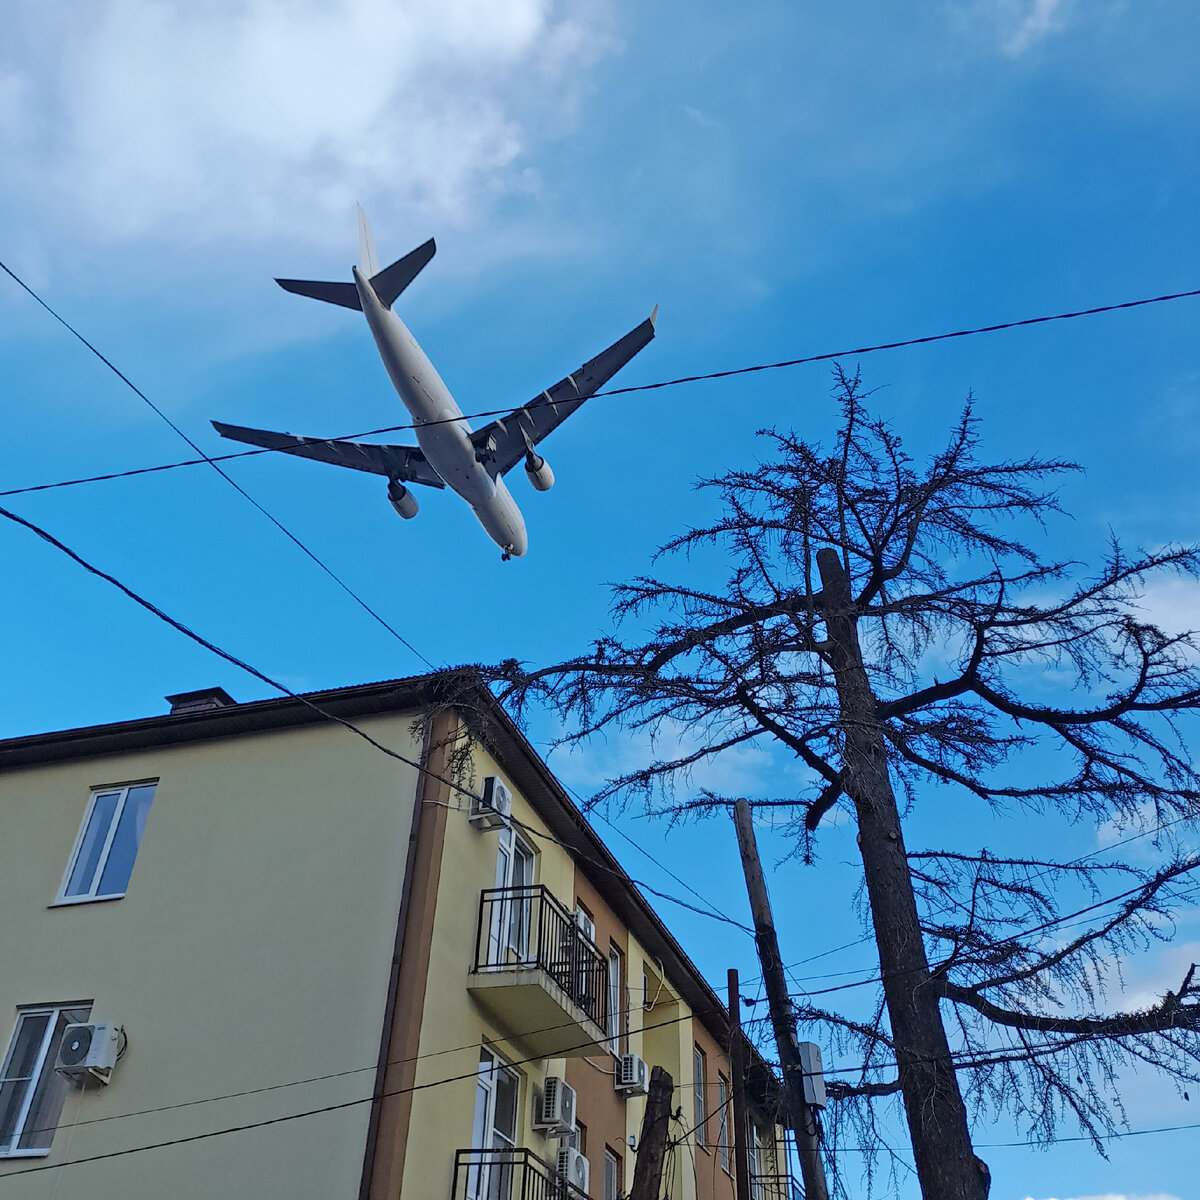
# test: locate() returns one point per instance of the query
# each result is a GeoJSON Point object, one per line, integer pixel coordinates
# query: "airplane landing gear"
{"type": "Point", "coordinates": [507, 554]}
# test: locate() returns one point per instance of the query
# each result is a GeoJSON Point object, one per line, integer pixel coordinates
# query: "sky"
{"type": "Point", "coordinates": [782, 179]}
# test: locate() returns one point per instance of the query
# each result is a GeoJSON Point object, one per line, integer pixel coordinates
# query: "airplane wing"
{"type": "Point", "coordinates": [503, 443]}
{"type": "Point", "coordinates": [405, 463]}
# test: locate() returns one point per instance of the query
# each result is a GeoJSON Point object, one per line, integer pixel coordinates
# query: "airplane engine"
{"type": "Point", "coordinates": [403, 501]}
{"type": "Point", "coordinates": [539, 472]}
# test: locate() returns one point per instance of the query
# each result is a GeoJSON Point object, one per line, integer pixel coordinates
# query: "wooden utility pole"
{"type": "Point", "coordinates": [737, 1065]}
{"type": "Point", "coordinates": [801, 1119]}
{"type": "Point", "coordinates": [652, 1145]}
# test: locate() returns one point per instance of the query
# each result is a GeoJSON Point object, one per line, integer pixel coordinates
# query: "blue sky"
{"type": "Point", "coordinates": [790, 180]}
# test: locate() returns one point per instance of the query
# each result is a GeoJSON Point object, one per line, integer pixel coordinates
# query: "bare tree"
{"type": "Point", "coordinates": [895, 628]}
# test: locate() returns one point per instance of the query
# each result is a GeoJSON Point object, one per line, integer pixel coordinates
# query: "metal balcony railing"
{"type": "Point", "coordinates": [527, 927]}
{"type": "Point", "coordinates": [775, 1187]}
{"type": "Point", "coordinates": [516, 1174]}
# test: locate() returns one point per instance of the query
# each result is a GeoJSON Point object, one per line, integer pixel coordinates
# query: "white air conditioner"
{"type": "Point", "coordinates": [573, 1168]}
{"type": "Point", "coordinates": [585, 925]}
{"type": "Point", "coordinates": [88, 1051]}
{"type": "Point", "coordinates": [494, 808]}
{"type": "Point", "coordinates": [633, 1076]}
{"type": "Point", "coordinates": [557, 1111]}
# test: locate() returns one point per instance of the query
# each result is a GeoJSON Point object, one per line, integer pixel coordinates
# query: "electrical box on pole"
{"type": "Point", "coordinates": [814, 1074]}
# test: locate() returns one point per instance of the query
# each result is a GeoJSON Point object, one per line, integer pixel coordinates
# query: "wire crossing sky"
{"type": "Point", "coordinates": [793, 178]}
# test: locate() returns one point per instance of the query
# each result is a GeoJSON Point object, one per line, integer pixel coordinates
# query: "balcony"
{"type": "Point", "coordinates": [775, 1187]}
{"type": "Point", "coordinates": [539, 974]}
{"type": "Point", "coordinates": [507, 1175]}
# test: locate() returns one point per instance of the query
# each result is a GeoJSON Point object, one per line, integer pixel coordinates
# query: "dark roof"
{"type": "Point", "coordinates": [462, 689]}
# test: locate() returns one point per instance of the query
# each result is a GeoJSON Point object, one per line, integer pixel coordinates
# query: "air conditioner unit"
{"type": "Point", "coordinates": [494, 808]}
{"type": "Point", "coordinates": [573, 1169]}
{"type": "Point", "coordinates": [633, 1076]}
{"type": "Point", "coordinates": [557, 1111]}
{"type": "Point", "coordinates": [88, 1051]}
{"type": "Point", "coordinates": [585, 925]}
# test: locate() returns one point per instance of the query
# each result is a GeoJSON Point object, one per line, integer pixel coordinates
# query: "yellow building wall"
{"type": "Point", "coordinates": [251, 950]}
{"type": "Point", "coordinates": [454, 1025]}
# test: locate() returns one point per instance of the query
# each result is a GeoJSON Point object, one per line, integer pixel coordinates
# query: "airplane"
{"type": "Point", "coordinates": [448, 453]}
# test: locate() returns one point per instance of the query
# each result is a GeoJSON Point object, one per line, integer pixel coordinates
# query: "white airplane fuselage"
{"type": "Point", "coordinates": [441, 430]}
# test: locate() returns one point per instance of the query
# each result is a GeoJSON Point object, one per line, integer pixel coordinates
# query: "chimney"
{"type": "Point", "coordinates": [201, 701]}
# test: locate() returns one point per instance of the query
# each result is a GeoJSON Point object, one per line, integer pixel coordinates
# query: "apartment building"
{"type": "Point", "coordinates": [247, 951]}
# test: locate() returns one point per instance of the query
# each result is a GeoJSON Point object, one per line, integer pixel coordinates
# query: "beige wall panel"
{"type": "Point", "coordinates": [252, 949]}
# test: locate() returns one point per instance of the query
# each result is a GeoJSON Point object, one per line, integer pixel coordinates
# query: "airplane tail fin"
{"type": "Point", "coordinates": [387, 284]}
{"type": "Point", "coordinates": [368, 264]}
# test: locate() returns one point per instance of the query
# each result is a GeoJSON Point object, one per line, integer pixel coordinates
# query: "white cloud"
{"type": "Point", "coordinates": [1172, 604]}
{"type": "Point", "coordinates": [1118, 1196]}
{"type": "Point", "coordinates": [268, 118]}
{"type": "Point", "coordinates": [1041, 18]}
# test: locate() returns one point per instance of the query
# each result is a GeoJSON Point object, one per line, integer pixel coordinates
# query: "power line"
{"type": "Point", "coordinates": [621, 391]}
{"type": "Point", "coordinates": [1027, 1145]}
{"type": "Point", "coordinates": [392, 1062]}
{"type": "Point", "coordinates": [219, 470]}
{"type": "Point", "coordinates": [312, 1112]}
{"type": "Point", "coordinates": [213, 648]}
{"type": "Point", "coordinates": [280, 687]}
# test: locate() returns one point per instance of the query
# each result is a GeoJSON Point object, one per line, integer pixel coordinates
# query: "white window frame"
{"type": "Point", "coordinates": [512, 918]}
{"type": "Point", "coordinates": [723, 1100]}
{"type": "Point", "coordinates": [616, 969]}
{"type": "Point", "coordinates": [699, 1064]}
{"type": "Point", "coordinates": [755, 1157]}
{"type": "Point", "coordinates": [102, 862]}
{"type": "Point", "coordinates": [486, 1180]}
{"type": "Point", "coordinates": [39, 1069]}
{"type": "Point", "coordinates": [612, 1175]}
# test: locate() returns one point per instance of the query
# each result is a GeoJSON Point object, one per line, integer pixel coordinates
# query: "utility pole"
{"type": "Point", "coordinates": [737, 1065]}
{"type": "Point", "coordinates": [803, 1122]}
{"type": "Point", "coordinates": [652, 1145]}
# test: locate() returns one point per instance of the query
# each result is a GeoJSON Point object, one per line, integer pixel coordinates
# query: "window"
{"type": "Point", "coordinates": [511, 914]}
{"type": "Point", "coordinates": [31, 1091]}
{"type": "Point", "coordinates": [495, 1129]}
{"type": "Point", "coordinates": [612, 1175]}
{"type": "Point", "coordinates": [108, 841]}
{"type": "Point", "coordinates": [698, 1095]}
{"type": "Point", "coordinates": [723, 1120]}
{"type": "Point", "coordinates": [755, 1155]}
{"type": "Point", "coordinates": [615, 1004]}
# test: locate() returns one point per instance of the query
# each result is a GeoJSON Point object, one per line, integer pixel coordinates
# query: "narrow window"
{"type": "Point", "coordinates": [31, 1091]}
{"type": "Point", "coordinates": [615, 1004]}
{"type": "Point", "coordinates": [612, 1175]}
{"type": "Point", "coordinates": [108, 841]}
{"type": "Point", "coordinates": [723, 1120]}
{"type": "Point", "coordinates": [495, 1129]}
{"type": "Point", "coordinates": [698, 1098]}
{"type": "Point", "coordinates": [754, 1146]}
{"type": "Point", "coordinates": [508, 927]}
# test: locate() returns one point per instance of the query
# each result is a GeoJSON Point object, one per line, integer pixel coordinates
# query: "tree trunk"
{"type": "Point", "coordinates": [946, 1164]}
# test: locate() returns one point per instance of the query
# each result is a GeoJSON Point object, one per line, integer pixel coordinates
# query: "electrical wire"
{"type": "Point", "coordinates": [621, 391]}
{"type": "Point", "coordinates": [1027, 1145]}
{"type": "Point", "coordinates": [392, 1062]}
{"type": "Point", "coordinates": [137, 391]}
{"type": "Point", "coordinates": [312, 1112]}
